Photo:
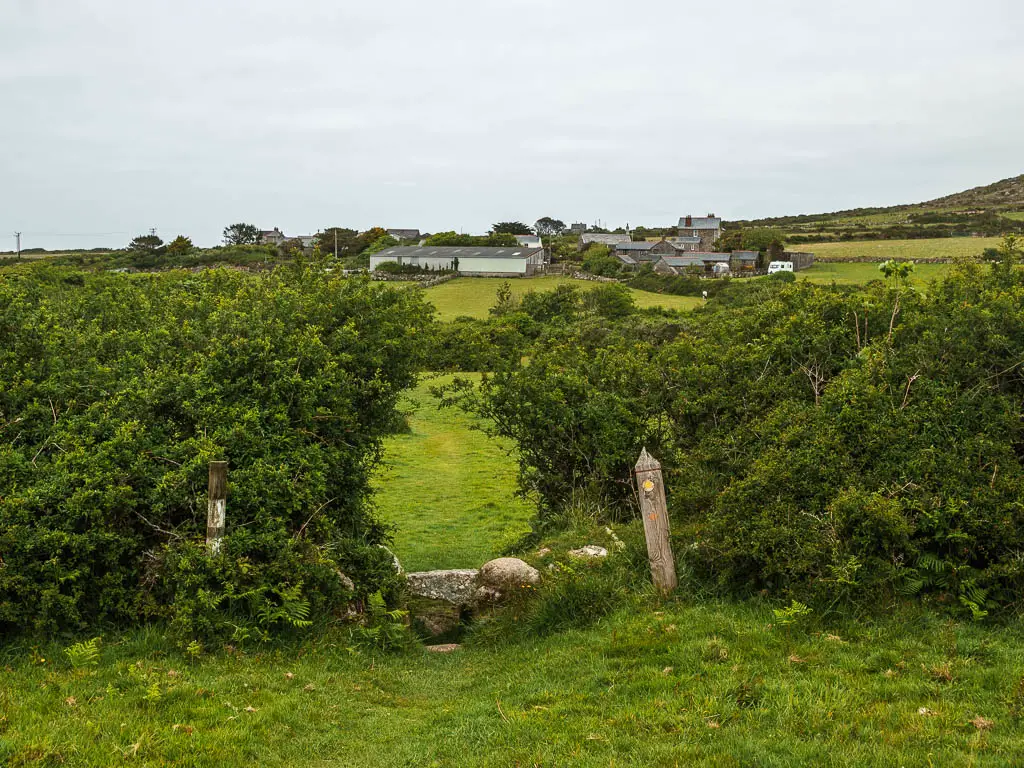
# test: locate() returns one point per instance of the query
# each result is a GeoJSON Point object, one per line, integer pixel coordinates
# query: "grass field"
{"type": "Point", "coordinates": [938, 248]}
{"type": "Point", "coordinates": [677, 684]}
{"type": "Point", "coordinates": [448, 487]}
{"type": "Point", "coordinates": [853, 273]}
{"type": "Point", "coordinates": [473, 296]}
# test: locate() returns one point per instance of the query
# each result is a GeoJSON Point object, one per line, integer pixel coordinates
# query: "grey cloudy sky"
{"type": "Point", "coordinates": [187, 115]}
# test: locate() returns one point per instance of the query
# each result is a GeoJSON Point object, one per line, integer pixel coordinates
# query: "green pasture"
{"type": "Point", "coordinates": [859, 273]}
{"type": "Point", "coordinates": [447, 487]}
{"type": "Point", "coordinates": [936, 248]}
{"type": "Point", "coordinates": [473, 296]}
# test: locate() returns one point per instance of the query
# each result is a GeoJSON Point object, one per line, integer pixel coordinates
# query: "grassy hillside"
{"type": "Point", "coordinates": [990, 210]}
{"type": "Point", "coordinates": [473, 296]}
{"type": "Point", "coordinates": [938, 248]}
{"type": "Point", "coordinates": [447, 487]}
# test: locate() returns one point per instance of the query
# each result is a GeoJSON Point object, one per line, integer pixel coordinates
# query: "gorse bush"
{"type": "Point", "coordinates": [826, 444]}
{"type": "Point", "coordinates": [116, 393]}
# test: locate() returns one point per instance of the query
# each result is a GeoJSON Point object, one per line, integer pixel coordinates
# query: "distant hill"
{"type": "Point", "coordinates": [1008, 193]}
{"type": "Point", "coordinates": [992, 210]}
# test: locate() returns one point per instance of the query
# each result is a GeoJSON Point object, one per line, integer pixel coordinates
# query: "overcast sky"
{"type": "Point", "coordinates": [188, 115]}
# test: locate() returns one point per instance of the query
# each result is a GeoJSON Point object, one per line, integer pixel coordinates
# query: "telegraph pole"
{"type": "Point", "coordinates": [17, 239]}
{"type": "Point", "coordinates": [335, 243]}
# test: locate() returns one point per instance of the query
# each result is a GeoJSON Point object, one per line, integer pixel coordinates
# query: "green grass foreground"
{"type": "Point", "coordinates": [473, 296]}
{"type": "Point", "coordinates": [447, 487]}
{"type": "Point", "coordinates": [711, 684]}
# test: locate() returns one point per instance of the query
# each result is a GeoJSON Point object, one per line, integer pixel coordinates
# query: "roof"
{"type": "Point", "coordinates": [745, 255]}
{"type": "Point", "coordinates": [532, 240]}
{"type": "Point", "coordinates": [701, 222]}
{"type": "Point", "coordinates": [710, 256]}
{"type": "Point", "coordinates": [685, 239]}
{"type": "Point", "coordinates": [405, 234]}
{"type": "Point", "coordinates": [458, 251]}
{"type": "Point", "coordinates": [682, 261]}
{"type": "Point", "coordinates": [593, 237]}
{"type": "Point", "coordinates": [625, 258]}
{"type": "Point", "coordinates": [645, 246]}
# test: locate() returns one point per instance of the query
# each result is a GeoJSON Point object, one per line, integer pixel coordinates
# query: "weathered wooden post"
{"type": "Point", "coordinates": [654, 509]}
{"type": "Point", "coordinates": [216, 511]}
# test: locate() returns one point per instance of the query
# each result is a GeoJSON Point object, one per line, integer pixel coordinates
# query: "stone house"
{"type": "Point", "coordinates": [707, 228]}
{"type": "Point", "coordinates": [272, 237]}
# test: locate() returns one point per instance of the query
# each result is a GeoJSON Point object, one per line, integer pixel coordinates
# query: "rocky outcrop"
{"type": "Point", "coordinates": [437, 600]}
{"type": "Point", "coordinates": [589, 550]}
{"type": "Point", "coordinates": [506, 572]}
{"type": "Point", "coordinates": [454, 586]}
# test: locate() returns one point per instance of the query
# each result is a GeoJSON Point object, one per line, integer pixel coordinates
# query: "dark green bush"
{"type": "Point", "coordinates": [824, 443]}
{"type": "Point", "coordinates": [118, 392]}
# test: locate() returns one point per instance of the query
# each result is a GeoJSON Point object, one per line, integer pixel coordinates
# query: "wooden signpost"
{"type": "Point", "coordinates": [216, 511]}
{"type": "Point", "coordinates": [654, 508]}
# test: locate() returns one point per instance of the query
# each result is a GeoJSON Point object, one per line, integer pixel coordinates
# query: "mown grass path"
{"type": "Point", "coordinates": [448, 487]}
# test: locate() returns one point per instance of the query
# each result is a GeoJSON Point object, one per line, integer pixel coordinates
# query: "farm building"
{"type": "Point", "coordinates": [404, 234]}
{"type": "Point", "coordinates": [610, 240]}
{"type": "Point", "coordinates": [743, 261]}
{"type": "Point", "coordinates": [682, 264]}
{"type": "Point", "coordinates": [652, 250]}
{"type": "Point", "coordinates": [468, 260]}
{"type": "Point", "coordinates": [529, 241]}
{"type": "Point", "coordinates": [707, 228]}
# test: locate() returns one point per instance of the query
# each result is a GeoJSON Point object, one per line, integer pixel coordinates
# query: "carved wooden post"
{"type": "Point", "coordinates": [216, 511]}
{"type": "Point", "coordinates": [654, 509]}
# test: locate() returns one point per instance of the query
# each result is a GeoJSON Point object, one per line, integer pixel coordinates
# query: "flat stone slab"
{"type": "Point", "coordinates": [452, 586]}
{"type": "Point", "coordinates": [590, 550]}
{"type": "Point", "coordinates": [443, 648]}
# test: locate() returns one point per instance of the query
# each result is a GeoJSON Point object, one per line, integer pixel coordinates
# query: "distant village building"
{"type": "Point", "coordinates": [479, 261]}
{"type": "Point", "coordinates": [578, 228]}
{"type": "Point", "coordinates": [610, 240]}
{"type": "Point", "coordinates": [743, 261]}
{"type": "Point", "coordinates": [404, 234]}
{"type": "Point", "coordinates": [707, 228]}
{"type": "Point", "coordinates": [529, 241]}
{"type": "Point", "coordinates": [701, 262]}
{"type": "Point", "coordinates": [272, 237]}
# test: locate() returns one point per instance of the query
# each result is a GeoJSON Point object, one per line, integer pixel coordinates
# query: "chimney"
{"type": "Point", "coordinates": [689, 221]}
{"type": "Point", "coordinates": [711, 215]}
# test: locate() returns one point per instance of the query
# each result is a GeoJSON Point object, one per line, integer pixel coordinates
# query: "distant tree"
{"type": "Point", "coordinates": [241, 234]}
{"type": "Point", "coordinates": [511, 228]}
{"type": "Point", "coordinates": [455, 264]}
{"type": "Point", "coordinates": [761, 239]}
{"type": "Point", "coordinates": [505, 301]}
{"type": "Point", "coordinates": [345, 239]}
{"type": "Point", "coordinates": [365, 239]}
{"type": "Point", "coordinates": [502, 240]}
{"type": "Point", "coordinates": [549, 226]}
{"type": "Point", "coordinates": [452, 238]}
{"type": "Point", "coordinates": [379, 245]}
{"type": "Point", "coordinates": [146, 244]}
{"type": "Point", "coordinates": [897, 271]}
{"type": "Point", "coordinates": [180, 246]}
